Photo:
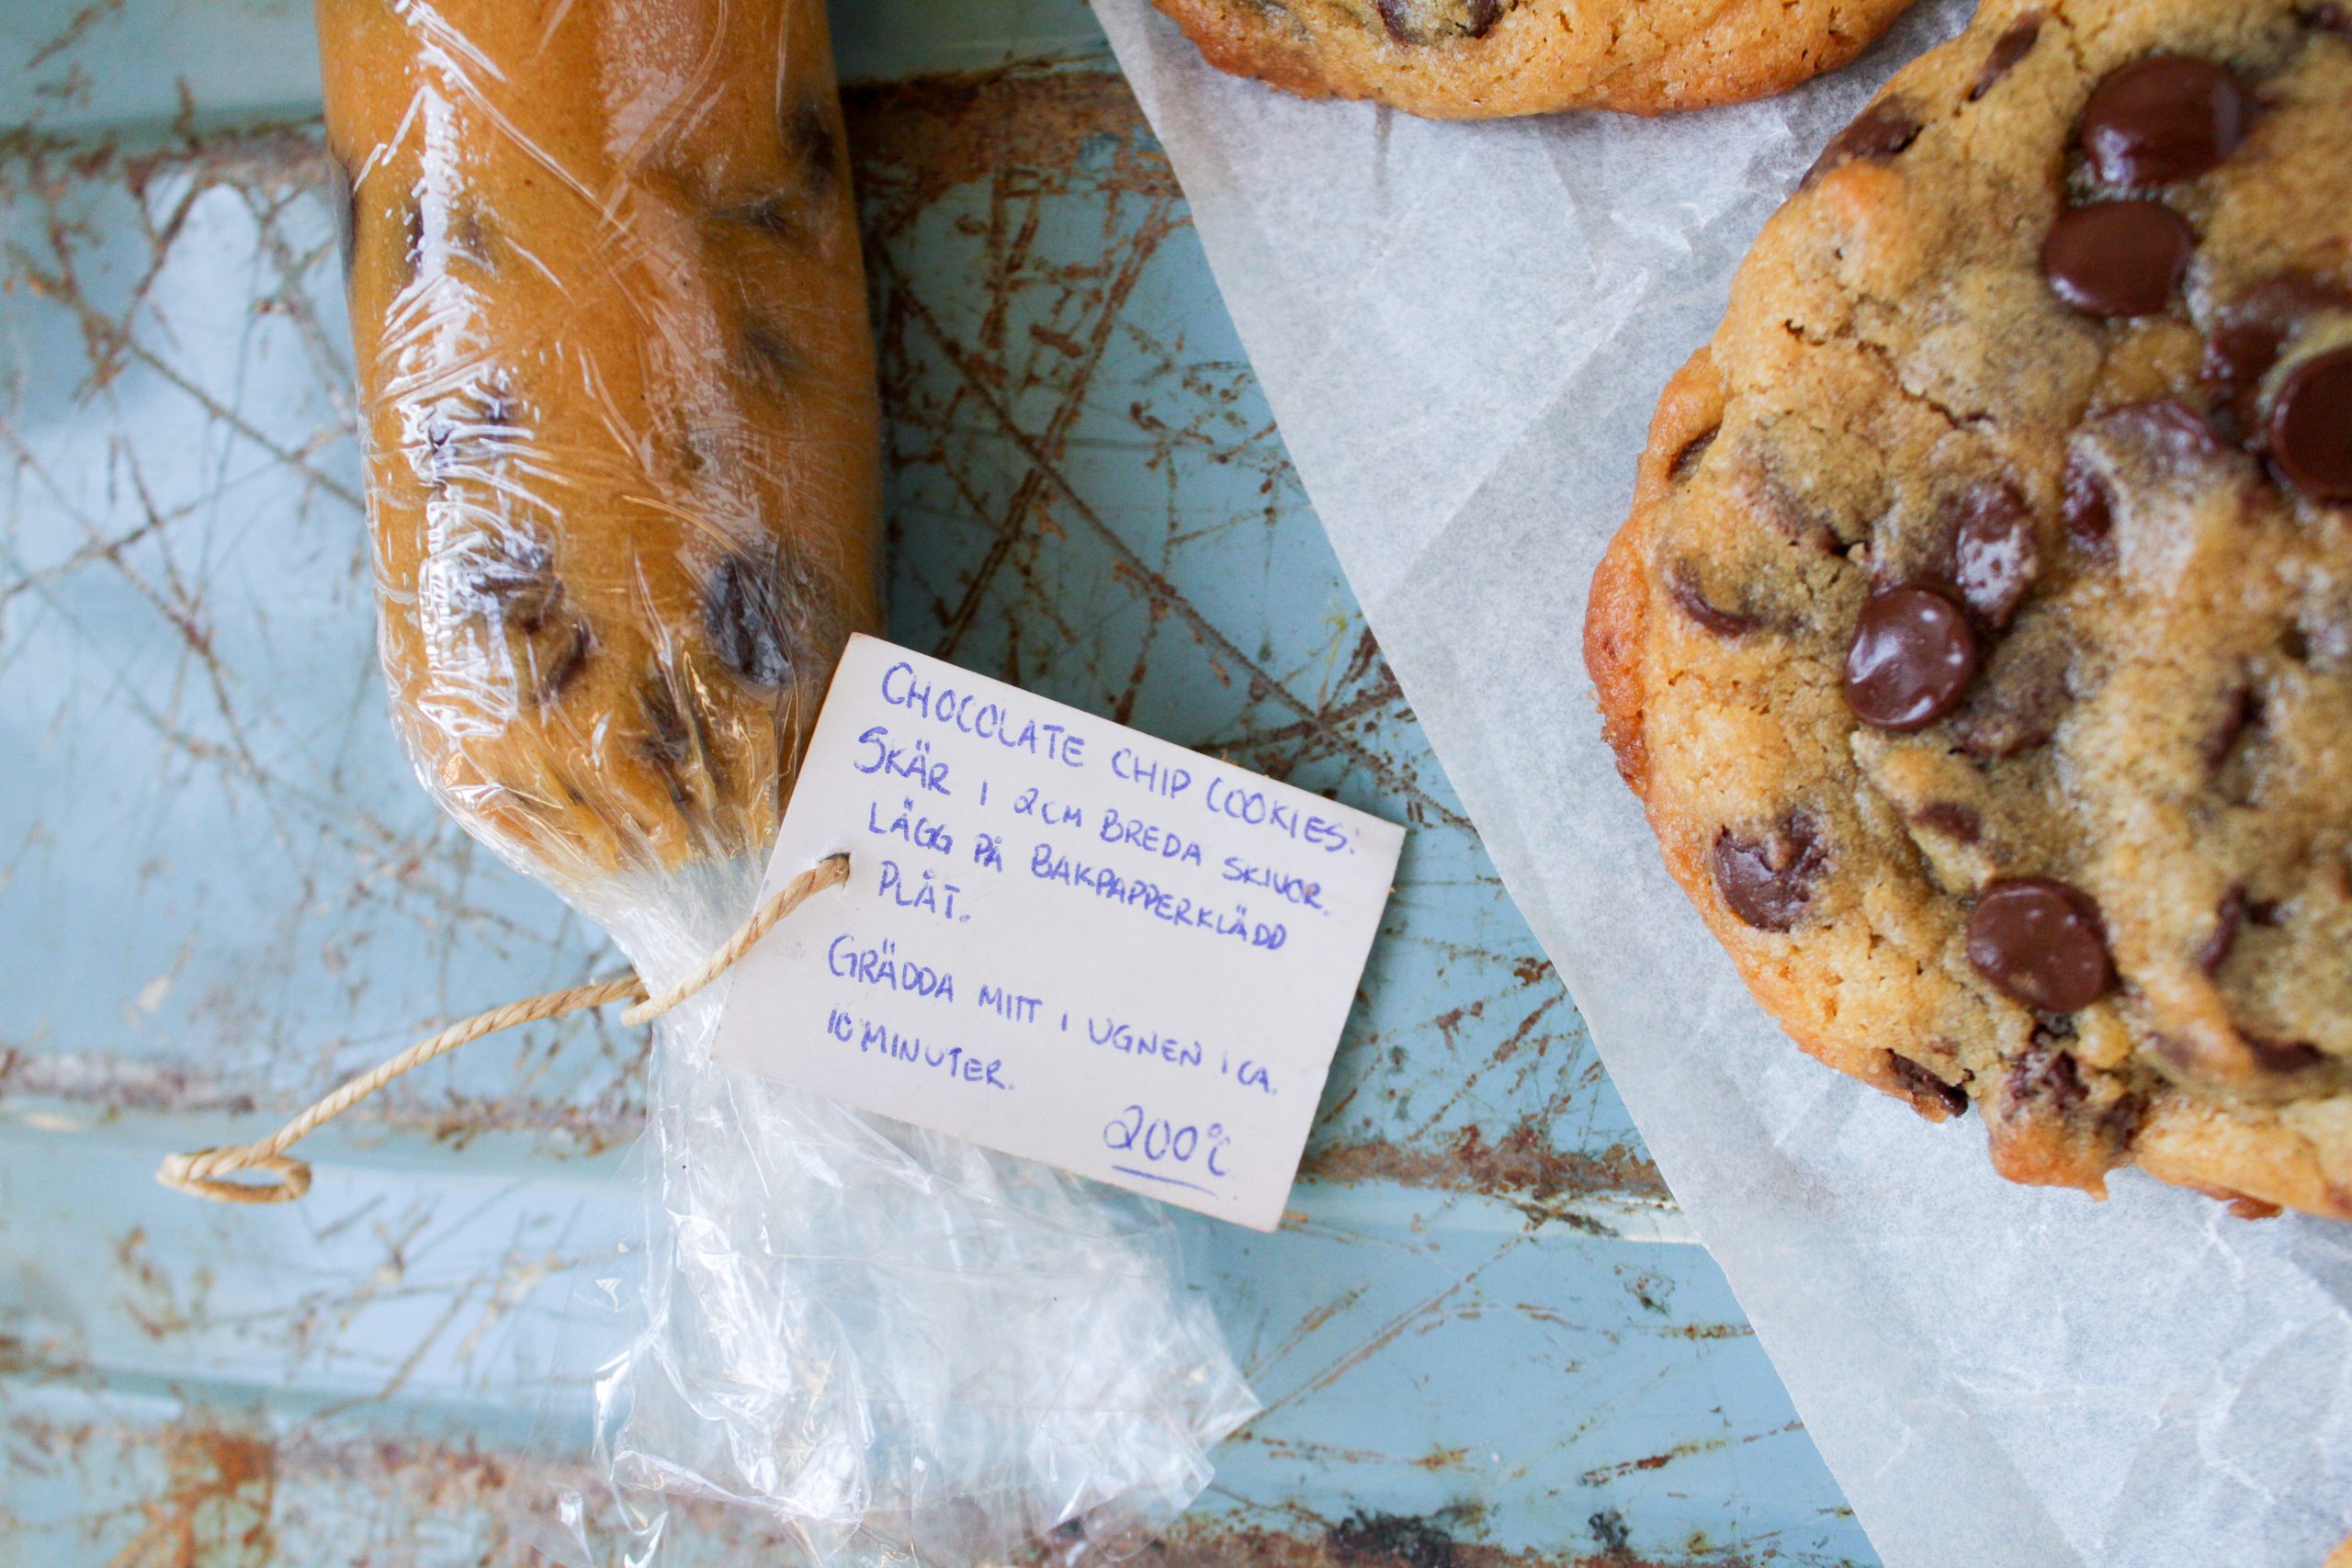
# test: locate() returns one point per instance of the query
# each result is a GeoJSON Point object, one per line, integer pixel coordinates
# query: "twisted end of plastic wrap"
{"type": "Point", "coordinates": [207, 1173]}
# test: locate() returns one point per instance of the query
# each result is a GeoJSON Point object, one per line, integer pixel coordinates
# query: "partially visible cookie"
{"type": "Point", "coordinates": [1981, 641]}
{"type": "Point", "coordinates": [1485, 59]}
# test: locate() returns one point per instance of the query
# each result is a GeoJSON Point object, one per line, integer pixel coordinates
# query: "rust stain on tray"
{"type": "Point", "coordinates": [214, 1510]}
{"type": "Point", "coordinates": [1524, 1161]}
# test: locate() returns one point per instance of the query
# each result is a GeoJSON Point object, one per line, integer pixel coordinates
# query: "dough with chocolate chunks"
{"type": "Point", "coordinates": [1484, 59]}
{"type": "Point", "coordinates": [618, 408]}
{"type": "Point", "coordinates": [1981, 641]}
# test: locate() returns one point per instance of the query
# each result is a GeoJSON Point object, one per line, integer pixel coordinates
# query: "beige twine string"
{"type": "Point", "coordinates": [201, 1173]}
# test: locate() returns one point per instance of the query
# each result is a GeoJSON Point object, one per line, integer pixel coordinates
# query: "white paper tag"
{"type": "Point", "coordinates": [1060, 937]}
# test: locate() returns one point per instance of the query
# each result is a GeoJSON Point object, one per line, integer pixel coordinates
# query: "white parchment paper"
{"type": "Point", "coordinates": [1463, 331]}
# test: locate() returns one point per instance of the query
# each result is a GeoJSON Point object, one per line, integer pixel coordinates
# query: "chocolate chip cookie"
{"type": "Point", "coordinates": [1981, 641]}
{"type": "Point", "coordinates": [1484, 59]}
{"type": "Point", "coordinates": [619, 406]}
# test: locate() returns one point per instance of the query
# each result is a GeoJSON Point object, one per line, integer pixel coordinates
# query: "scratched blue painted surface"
{"type": "Point", "coordinates": [1484, 1340]}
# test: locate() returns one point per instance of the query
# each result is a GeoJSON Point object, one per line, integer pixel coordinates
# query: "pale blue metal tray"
{"type": "Point", "coordinates": [1488, 1341]}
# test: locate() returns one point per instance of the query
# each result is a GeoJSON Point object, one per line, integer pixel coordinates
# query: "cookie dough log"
{"type": "Point", "coordinates": [618, 403]}
{"type": "Point", "coordinates": [1485, 59]}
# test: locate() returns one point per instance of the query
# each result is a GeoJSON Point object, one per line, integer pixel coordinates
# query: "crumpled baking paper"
{"type": "Point", "coordinates": [1463, 329]}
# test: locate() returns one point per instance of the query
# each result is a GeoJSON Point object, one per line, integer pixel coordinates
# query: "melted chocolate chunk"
{"type": "Point", "coordinates": [2162, 118]}
{"type": "Point", "coordinates": [2311, 427]}
{"type": "Point", "coordinates": [1686, 462]}
{"type": "Point", "coordinates": [1692, 601]}
{"type": "Point", "coordinates": [1992, 551]}
{"type": "Point", "coordinates": [1880, 132]}
{"type": "Point", "coordinates": [1768, 882]}
{"type": "Point", "coordinates": [1478, 20]}
{"type": "Point", "coordinates": [2285, 1057]}
{"type": "Point", "coordinates": [1952, 819]}
{"type": "Point", "coordinates": [2088, 512]}
{"type": "Point", "coordinates": [2014, 44]}
{"type": "Point", "coordinates": [1911, 657]}
{"type": "Point", "coordinates": [2245, 340]}
{"type": "Point", "coordinates": [744, 615]}
{"type": "Point", "coordinates": [2040, 941]}
{"type": "Point", "coordinates": [2228, 916]}
{"type": "Point", "coordinates": [1928, 1094]}
{"type": "Point", "coordinates": [2117, 258]}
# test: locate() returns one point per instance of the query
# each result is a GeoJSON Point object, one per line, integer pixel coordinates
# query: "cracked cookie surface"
{"type": "Point", "coordinates": [1485, 59]}
{"type": "Point", "coordinates": [1981, 641]}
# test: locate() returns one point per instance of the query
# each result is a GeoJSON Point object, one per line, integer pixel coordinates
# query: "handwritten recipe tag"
{"type": "Point", "coordinates": [1060, 937]}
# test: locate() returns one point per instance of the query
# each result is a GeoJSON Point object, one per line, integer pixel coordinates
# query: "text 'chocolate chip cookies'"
{"type": "Point", "coordinates": [1483, 59]}
{"type": "Point", "coordinates": [1981, 642]}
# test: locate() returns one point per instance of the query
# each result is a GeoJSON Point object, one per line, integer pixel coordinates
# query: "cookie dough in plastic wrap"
{"type": "Point", "coordinates": [618, 409]}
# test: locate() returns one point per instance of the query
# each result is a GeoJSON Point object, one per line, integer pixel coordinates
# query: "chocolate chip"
{"type": "Point", "coordinates": [2241, 707]}
{"type": "Point", "coordinates": [2040, 941]}
{"type": "Point", "coordinates": [2214, 951]}
{"type": "Point", "coordinates": [1992, 551]}
{"type": "Point", "coordinates": [1687, 460]}
{"type": "Point", "coordinates": [1911, 657]}
{"type": "Point", "coordinates": [2015, 43]}
{"type": "Point", "coordinates": [811, 141]}
{"type": "Point", "coordinates": [344, 194]}
{"type": "Point", "coordinates": [510, 580]}
{"type": "Point", "coordinates": [1768, 882]}
{"type": "Point", "coordinates": [563, 660]}
{"type": "Point", "coordinates": [1928, 1094]}
{"type": "Point", "coordinates": [2328, 19]}
{"type": "Point", "coordinates": [2117, 258]}
{"type": "Point", "coordinates": [669, 739]}
{"type": "Point", "coordinates": [767, 356]}
{"type": "Point", "coordinates": [1692, 601]}
{"type": "Point", "coordinates": [2088, 512]}
{"type": "Point", "coordinates": [2245, 338]}
{"type": "Point", "coordinates": [1396, 16]}
{"type": "Point", "coordinates": [1882, 132]}
{"type": "Point", "coordinates": [2285, 1057]}
{"type": "Point", "coordinates": [2046, 1072]}
{"type": "Point", "coordinates": [2310, 426]}
{"type": "Point", "coordinates": [2162, 118]}
{"type": "Point", "coordinates": [1483, 16]}
{"type": "Point", "coordinates": [1952, 819]}
{"type": "Point", "coordinates": [744, 615]}
{"type": "Point", "coordinates": [413, 258]}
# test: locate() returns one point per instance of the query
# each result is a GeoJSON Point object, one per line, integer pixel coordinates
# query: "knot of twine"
{"type": "Point", "coordinates": [204, 1173]}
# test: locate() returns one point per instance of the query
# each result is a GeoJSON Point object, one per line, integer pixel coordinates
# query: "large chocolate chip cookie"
{"type": "Point", "coordinates": [1981, 643]}
{"type": "Point", "coordinates": [1482, 59]}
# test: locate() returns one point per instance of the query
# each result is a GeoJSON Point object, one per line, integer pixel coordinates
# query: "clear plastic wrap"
{"type": "Point", "coordinates": [618, 408]}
